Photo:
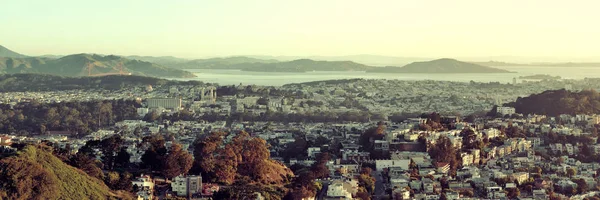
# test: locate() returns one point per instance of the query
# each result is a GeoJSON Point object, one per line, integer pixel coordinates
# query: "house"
{"type": "Point", "coordinates": [144, 182]}
{"type": "Point", "coordinates": [442, 167]}
{"type": "Point", "coordinates": [467, 159]}
{"type": "Point", "coordinates": [540, 194]}
{"type": "Point", "coordinates": [187, 185]}
{"type": "Point", "coordinates": [495, 192]}
{"type": "Point", "coordinates": [452, 195]}
{"type": "Point", "coordinates": [337, 191]}
{"type": "Point", "coordinates": [540, 183]}
{"type": "Point", "coordinates": [403, 192]}
{"type": "Point", "coordinates": [145, 186]}
{"type": "Point", "coordinates": [382, 164]}
{"type": "Point", "coordinates": [520, 177]}
{"type": "Point", "coordinates": [313, 151]}
{"type": "Point", "coordinates": [505, 110]}
{"type": "Point", "coordinates": [5, 140]}
{"type": "Point", "coordinates": [564, 184]}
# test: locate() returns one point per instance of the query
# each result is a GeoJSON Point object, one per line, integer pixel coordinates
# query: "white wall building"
{"type": "Point", "coordinates": [186, 185]}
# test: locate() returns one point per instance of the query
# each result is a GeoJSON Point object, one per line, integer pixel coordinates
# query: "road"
{"type": "Point", "coordinates": [323, 191]}
{"type": "Point", "coordinates": [379, 185]}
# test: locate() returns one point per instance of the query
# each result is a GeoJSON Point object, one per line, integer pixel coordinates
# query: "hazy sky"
{"type": "Point", "coordinates": [203, 28]}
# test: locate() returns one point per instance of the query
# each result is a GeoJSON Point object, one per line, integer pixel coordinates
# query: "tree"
{"type": "Point", "coordinates": [513, 193]}
{"type": "Point", "coordinates": [319, 168]}
{"type": "Point", "coordinates": [122, 159]}
{"type": "Point", "coordinates": [582, 186]}
{"type": "Point", "coordinates": [87, 164]}
{"type": "Point", "coordinates": [443, 196]}
{"type": "Point", "coordinates": [155, 152]}
{"type": "Point", "coordinates": [537, 170]}
{"type": "Point", "coordinates": [368, 182]}
{"type": "Point", "coordinates": [443, 150]}
{"type": "Point", "coordinates": [571, 172]}
{"type": "Point", "coordinates": [110, 147]}
{"type": "Point", "coordinates": [177, 161]}
{"type": "Point", "coordinates": [205, 148]}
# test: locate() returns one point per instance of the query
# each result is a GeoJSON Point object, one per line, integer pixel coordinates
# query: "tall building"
{"type": "Point", "coordinates": [209, 94]}
{"type": "Point", "coordinates": [167, 103]}
{"type": "Point", "coordinates": [187, 185]}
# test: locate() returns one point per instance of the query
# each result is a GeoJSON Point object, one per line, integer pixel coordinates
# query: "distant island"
{"type": "Point", "coordinates": [307, 65]}
{"type": "Point", "coordinates": [540, 77]}
{"type": "Point", "coordinates": [260, 65]}
{"type": "Point", "coordinates": [444, 65]}
{"type": "Point", "coordinates": [84, 65]}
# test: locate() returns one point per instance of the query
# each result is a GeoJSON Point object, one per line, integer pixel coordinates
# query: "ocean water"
{"type": "Point", "coordinates": [234, 77]}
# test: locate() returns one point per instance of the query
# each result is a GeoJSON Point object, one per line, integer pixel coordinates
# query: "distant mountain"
{"type": "Point", "coordinates": [5, 52]}
{"type": "Point", "coordinates": [540, 77]}
{"type": "Point", "coordinates": [498, 63]}
{"type": "Point", "coordinates": [444, 65]}
{"type": "Point", "coordinates": [260, 65]}
{"type": "Point", "coordinates": [221, 63]}
{"type": "Point", "coordinates": [374, 60]}
{"type": "Point", "coordinates": [304, 65]}
{"type": "Point", "coordinates": [76, 65]}
{"type": "Point", "coordinates": [161, 60]}
{"type": "Point", "coordinates": [34, 173]}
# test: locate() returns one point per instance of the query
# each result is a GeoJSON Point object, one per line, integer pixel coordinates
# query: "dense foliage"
{"type": "Point", "coordinates": [556, 102]}
{"type": "Point", "coordinates": [78, 117]}
{"type": "Point", "coordinates": [242, 161]}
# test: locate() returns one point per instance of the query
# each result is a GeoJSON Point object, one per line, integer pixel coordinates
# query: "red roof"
{"type": "Point", "coordinates": [441, 164]}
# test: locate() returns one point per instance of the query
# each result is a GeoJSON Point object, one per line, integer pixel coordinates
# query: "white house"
{"type": "Point", "coordinates": [186, 185]}
{"type": "Point", "coordinates": [381, 164]}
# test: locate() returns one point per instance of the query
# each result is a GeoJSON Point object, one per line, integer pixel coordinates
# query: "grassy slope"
{"type": "Point", "coordinates": [72, 182]}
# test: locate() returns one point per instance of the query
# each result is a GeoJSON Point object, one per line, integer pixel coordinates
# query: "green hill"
{"type": "Point", "coordinates": [35, 173]}
{"type": "Point", "coordinates": [444, 65]}
{"type": "Point", "coordinates": [556, 102]}
{"type": "Point", "coordinates": [76, 65]}
{"type": "Point", "coordinates": [5, 52]}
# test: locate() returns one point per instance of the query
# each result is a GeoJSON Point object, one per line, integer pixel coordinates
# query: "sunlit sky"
{"type": "Point", "coordinates": [205, 28]}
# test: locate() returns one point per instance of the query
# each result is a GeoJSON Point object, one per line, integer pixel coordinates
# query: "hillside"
{"type": "Point", "coordinates": [444, 65]}
{"type": "Point", "coordinates": [235, 62]}
{"type": "Point", "coordinates": [5, 52]}
{"type": "Point", "coordinates": [260, 65]}
{"type": "Point", "coordinates": [35, 173]}
{"type": "Point", "coordinates": [44, 82]}
{"type": "Point", "coordinates": [75, 65]}
{"type": "Point", "coordinates": [498, 63]}
{"type": "Point", "coordinates": [556, 102]}
{"type": "Point", "coordinates": [304, 65]}
{"type": "Point", "coordinates": [540, 77]}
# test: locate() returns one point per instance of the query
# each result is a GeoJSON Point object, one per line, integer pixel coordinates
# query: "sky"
{"type": "Point", "coordinates": [208, 28]}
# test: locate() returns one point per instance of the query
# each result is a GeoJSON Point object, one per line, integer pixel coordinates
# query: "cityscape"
{"type": "Point", "coordinates": [279, 101]}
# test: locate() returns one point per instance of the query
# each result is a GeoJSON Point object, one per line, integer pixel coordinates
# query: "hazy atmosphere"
{"type": "Point", "coordinates": [515, 30]}
{"type": "Point", "coordinates": [300, 99]}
